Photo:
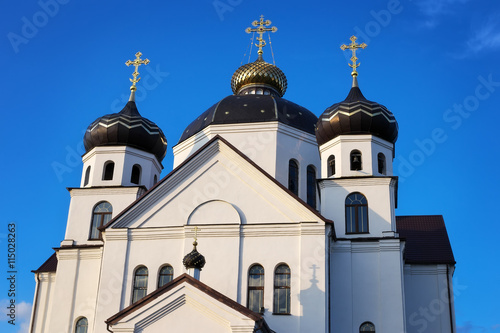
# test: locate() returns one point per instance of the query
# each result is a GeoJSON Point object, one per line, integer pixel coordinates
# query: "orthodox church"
{"type": "Point", "coordinates": [272, 220]}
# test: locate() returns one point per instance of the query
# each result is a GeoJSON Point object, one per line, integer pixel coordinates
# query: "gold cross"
{"type": "Point", "coordinates": [353, 47]}
{"type": "Point", "coordinates": [196, 233]}
{"type": "Point", "coordinates": [260, 30]}
{"type": "Point", "coordinates": [137, 62]}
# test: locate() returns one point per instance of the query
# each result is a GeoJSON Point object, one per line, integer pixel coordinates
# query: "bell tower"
{"type": "Point", "coordinates": [123, 154]}
{"type": "Point", "coordinates": [358, 192]}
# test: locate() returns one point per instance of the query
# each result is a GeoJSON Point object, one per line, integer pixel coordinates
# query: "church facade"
{"type": "Point", "coordinates": [292, 217]}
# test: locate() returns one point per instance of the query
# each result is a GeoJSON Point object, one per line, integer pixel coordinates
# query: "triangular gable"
{"type": "Point", "coordinates": [186, 305]}
{"type": "Point", "coordinates": [184, 191]}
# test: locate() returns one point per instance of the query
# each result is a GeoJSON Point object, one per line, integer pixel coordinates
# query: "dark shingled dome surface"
{"type": "Point", "coordinates": [236, 109]}
{"type": "Point", "coordinates": [356, 115]}
{"type": "Point", "coordinates": [126, 128]}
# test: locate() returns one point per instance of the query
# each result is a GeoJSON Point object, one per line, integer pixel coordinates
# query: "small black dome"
{"type": "Point", "coordinates": [126, 128]}
{"type": "Point", "coordinates": [253, 108]}
{"type": "Point", "coordinates": [194, 259]}
{"type": "Point", "coordinates": [356, 115]}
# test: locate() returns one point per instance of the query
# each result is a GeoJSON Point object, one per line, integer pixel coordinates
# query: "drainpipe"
{"type": "Point", "coordinates": [449, 297]}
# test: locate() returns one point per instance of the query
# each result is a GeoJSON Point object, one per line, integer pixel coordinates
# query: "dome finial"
{"type": "Point", "coordinates": [261, 28]}
{"type": "Point", "coordinates": [353, 47]}
{"type": "Point", "coordinates": [136, 62]}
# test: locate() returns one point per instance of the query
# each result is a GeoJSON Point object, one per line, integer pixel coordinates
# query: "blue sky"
{"type": "Point", "coordinates": [433, 63]}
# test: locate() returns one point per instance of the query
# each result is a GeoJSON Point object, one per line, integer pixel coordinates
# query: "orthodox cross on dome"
{"type": "Point", "coordinates": [353, 47]}
{"type": "Point", "coordinates": [136, 62]}
{"type": "Point", "coordinates": [261, 28]}
{"type": "Point", "coordinates": [196, 229]}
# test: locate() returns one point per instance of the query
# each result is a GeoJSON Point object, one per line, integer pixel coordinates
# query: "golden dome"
{"type": "Point", "coordinates": [259, 73]}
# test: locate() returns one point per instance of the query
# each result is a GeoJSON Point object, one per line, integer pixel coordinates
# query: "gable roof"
{"type": "Point", "coordinates": [190, 158]}
{"type": "Point", "coordinates": [427, 241]}
{"type": "Point", "coordinates": [50, 265]}
{"type": "Point", "coordinates": [185, 278]}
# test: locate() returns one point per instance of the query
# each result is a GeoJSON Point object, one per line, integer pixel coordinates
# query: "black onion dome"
{"type": "Point", "coordinates": [259, 72]}
{"type": "Point", "coordinates": [356, 115]}
{"type": "Point", "coordinates": [194, 259]}
{"type": "Point", "coordinates": [126, 128]}
{"type": "Point", "coordinates": [250, 108]}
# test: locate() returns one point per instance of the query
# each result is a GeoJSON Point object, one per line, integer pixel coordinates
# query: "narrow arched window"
{"type": "Point", "coordinates": [135, 178]}
{"type": "Point", "coordinates": [87, 176]}
{"type": "Point", "coordinates": [255, 298]}
{"type": "Point", "coordinates": [282, 290]}
{"type": "Point", "coordinates": [165, 275]}
{"type": "Point", "coordinates": [311, 186]}
{"type": "Point", "coordinates": [367, 327]}
{"type": "Point", "coordinates": [140, 283]}
{"type": "Point", "coordinates": [81, 325]}
{"type": "Point", "coordinates": [109, 168]}
{"type": "Point", "coordinates": [381, 163]}
{"type": "Point", "coordinates": [356, 163]}
{"type": "Point", "coordinates": [356, 213]}
{"type": "Point", "coordinates": [155, 179]}
{"type": "Point", "coordinates": [331, 165]}
{"type": "Point", "coordinates": [100, 216]}
{"type": "Point", "coordinates": [293, 177]}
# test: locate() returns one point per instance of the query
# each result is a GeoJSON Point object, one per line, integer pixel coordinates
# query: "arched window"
{"type": "Point", "coordinates": [81, 325]}
{"type": "Point", "coordinates": [155, 179]}
{"type": "Point", "coordinates": [109, 168]}
{"type": "Point", "coordinates": [87, 176]}
{"type": "Point", "coordinates": [311, 186]}
{"type": "Point", "coordinates": [293, 177]}
{"type": "Point", "coordinates": [140, 283]}
{"type": "Point", "coordinates": [165, 276]}
{"type": "Point", "coordinates": [101, 216]}
{"type": "Point", "coordinates": [135, 178]}
{"type": "Point", "coordinates": [255, 299]}
{"type": "Point", "coordinates": [356, 213]}
{"type": "Point", "coordinates": [367, 327]}
{"type": "Point", "coordinates": [282, 290]}
{"type": "Point", "coordinates": [356, 163]}
{"type": "Point", "coordinates": [331, 165]}
{"type": "Point", "coordinates": [381, 163]}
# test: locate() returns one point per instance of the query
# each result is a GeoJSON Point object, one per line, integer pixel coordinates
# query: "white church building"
{"type": "Point", "coordinates": [292, 217]}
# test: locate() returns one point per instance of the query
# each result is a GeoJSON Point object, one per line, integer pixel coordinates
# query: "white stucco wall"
{"type": "Point", "coordinates": [428, 301]}
{"type": "Point", "coordinates": [367, 285]}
